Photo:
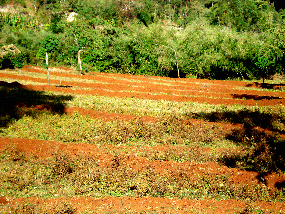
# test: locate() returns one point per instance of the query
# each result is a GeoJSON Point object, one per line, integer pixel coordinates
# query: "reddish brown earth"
{"type": "Point", "coordinates": [159, 88]}
{"type": "Point", "coordinates": [180, 90]}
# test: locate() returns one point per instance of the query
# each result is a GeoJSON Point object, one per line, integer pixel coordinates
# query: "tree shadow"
{"type": "Point", "coordinates": [280, 185]}
{"type": "Point", "coordinates": [17, 101]}
{"type": "Point", "coordinates": [259, 135]}
{"type": "Point", "coordinates": [244, 116]}
{"type": "Point", "coordinates": [7, 64]}
{"type": "Point", "coordinates": [63, 86]}
{"type": "Point", "coordinates": [254, 97]}
{"type": "Point", "coordinates": [265, 151]}
{"type": "Point", "coordinates": [267, 86]}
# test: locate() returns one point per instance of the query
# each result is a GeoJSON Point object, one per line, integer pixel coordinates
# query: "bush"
{"type": "Point", "coordinates": [221, 53]}
{"type": "Point", "coordinates": [3, 2]}
{"type": "Point", "coordinates": [225, 40]}
{"type": "Point", "coordinates": [2, 22]}
{"type": "Point", "coordinates": [245, 15]}
{"type": "Point", "coordinates": [11, 56]}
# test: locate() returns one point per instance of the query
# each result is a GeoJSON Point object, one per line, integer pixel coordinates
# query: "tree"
{"type": "Point", "coordinates": [244, 15]}
{"type": "Point", "coordinates": [80, 48]}
{"type": "Point", "coordinates": [80, 32]}
{"type": "Point", "coordinates": [263, 63]}
{"type": "Point", "coordinates": [267, 61]}
{"type": "Point", "coordinates": [49, 44]}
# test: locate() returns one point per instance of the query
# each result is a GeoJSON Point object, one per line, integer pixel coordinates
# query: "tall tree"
{"type": "Point", "coordinates": [49, 45]}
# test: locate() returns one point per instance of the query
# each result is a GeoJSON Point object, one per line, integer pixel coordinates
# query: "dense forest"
{"type": "Point", "coordinates": [220, 39]}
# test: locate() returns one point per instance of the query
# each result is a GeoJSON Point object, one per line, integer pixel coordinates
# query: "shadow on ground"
{"type": "Point", "coordinates": [267, 85]}
{"type": "Point", "coordinates": [63, 86]}
{"type": "Point", "coordinates": [268, 121]}
{"type": "Point", "coordinates": [259, 135]}
{"type": "Point", "coordinates": [254, 97]}
{"type": "Point", "coordinates": [16, 101]}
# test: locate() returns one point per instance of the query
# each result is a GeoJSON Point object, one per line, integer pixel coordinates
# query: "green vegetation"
{"type": "Point", "coordinates": [207, 39]}
{"type": "Point", "coordinates": [170, 128]}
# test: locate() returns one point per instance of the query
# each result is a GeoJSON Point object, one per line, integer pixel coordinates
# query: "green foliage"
{"type": "Point", "coordinates": [262, 63]}
{"type": "Point", "coordinates": [19, 22]}
{"type": "Point", "coordinates": [206, 39]}
{"type": "Point", "coordinates": [50, 43]}
{"type": "Point", "coordinates": [3, 2]}
{"type": "Point", "coordinates": [18, 60]}
{"type": "Point", "coordinates": [249, 15]}
{"type": "Point", "coordinates": [2, 22]}
{"type": "Point", "coordinates": [90, 9]}
{"type": "Point", "coordinates": [221, 54]}
{"type": "Point", "coordinates": [11, 57]}
{"type": "Point", "coordinates": [56, 25]}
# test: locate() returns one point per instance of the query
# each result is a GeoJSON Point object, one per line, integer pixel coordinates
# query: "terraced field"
{"type": "Point", "coordinates": [117, 143]}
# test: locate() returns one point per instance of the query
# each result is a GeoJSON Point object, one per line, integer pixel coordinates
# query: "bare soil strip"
{"type": "Point", "coordinates": [166, 85]}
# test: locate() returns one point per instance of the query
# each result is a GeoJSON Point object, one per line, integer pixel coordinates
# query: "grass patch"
{"type": "Point", "coordinates": [82, 129]}
{"type": "Point", "coordinates": [142, 107]}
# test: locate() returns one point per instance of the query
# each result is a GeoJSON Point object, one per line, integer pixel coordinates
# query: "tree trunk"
{"type": "Point", "coordinates": [47, 69]}
{"type": "Point", "coordinates": [177, 64]}
{"type": "Point", "coordinates": [79, 61]}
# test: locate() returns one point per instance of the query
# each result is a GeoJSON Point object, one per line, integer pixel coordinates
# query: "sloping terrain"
{"type": "Point", "coordinates": [117, 143]}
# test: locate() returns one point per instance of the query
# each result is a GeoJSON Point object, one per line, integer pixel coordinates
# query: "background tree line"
{"type": "Point", "coordinates": [218, 39]}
